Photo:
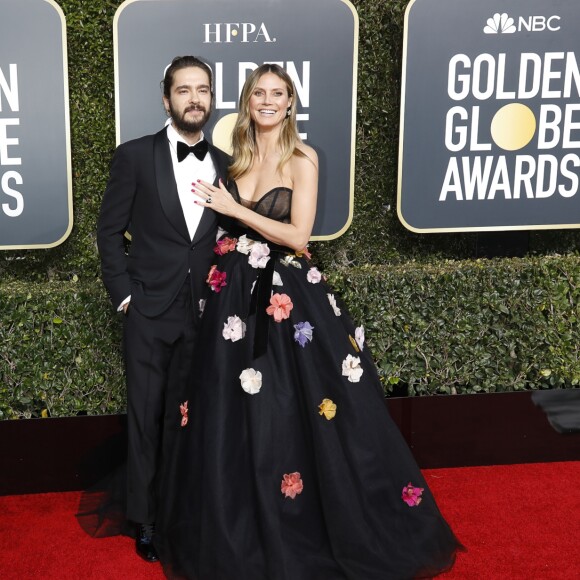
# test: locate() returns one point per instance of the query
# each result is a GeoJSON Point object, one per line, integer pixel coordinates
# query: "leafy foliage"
{"type": "Point", "coordinates": [60, 351]}
{"type": "Point", "coordinates": [472, 326]}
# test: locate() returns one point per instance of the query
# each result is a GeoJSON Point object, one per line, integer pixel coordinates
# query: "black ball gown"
{"type": "Point", "coordinates": [287, 465]}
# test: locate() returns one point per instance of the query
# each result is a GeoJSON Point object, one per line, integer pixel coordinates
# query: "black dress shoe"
{"type": "Point", "coordinates": [144, 543]}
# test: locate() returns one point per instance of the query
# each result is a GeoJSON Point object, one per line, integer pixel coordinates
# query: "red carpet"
{"type": "Point", "coordinates": [517, 522]}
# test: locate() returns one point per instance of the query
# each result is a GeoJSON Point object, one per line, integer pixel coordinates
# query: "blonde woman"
{"type": "Point", "coordinates": [288, 465]}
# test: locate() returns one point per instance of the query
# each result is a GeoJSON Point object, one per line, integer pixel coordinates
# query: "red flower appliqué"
{"type": "Point", "coordinates": [292, 484]}
{"type": "Point", "coordinates": [216, 279]}
{"type": "Point", "coordinates": [225, 245]}
{"type": "Point", "coordinates": [412, 495]}
{"type": "Point", "coordinates": [184, 418]}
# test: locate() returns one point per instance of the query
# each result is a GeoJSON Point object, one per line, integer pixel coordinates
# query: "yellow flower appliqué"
{"type": "Point", "coordinates": [327, 408]}
{"type": "Point", "coordinates": [354, 344]}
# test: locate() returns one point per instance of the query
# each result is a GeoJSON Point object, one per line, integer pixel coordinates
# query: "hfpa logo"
{"type": "Point", "coordinates": [219, 32]}
{"type": "Point", "coordinates": [504, 24]}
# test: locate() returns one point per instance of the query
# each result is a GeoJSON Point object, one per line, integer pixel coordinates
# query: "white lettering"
{"type": "Point", "coordinates": [522, 177]}
{"type": "Point", "coordinates": [208, 33]}
{"type": "Point", "coordinates": [569, 126]}
{"type": "Point", "coordinates": [573, 177]}
{"type": "Point", "coordinates": [546, 125]}
{"type": "Point", "coordinates": [460, 132]}
{"type": "Point", "coordinates": [5, 142]}
{"type": "Point", "coordinates": [220, 103]}
{"type": "Point", "coordinates": [454, 79]}
{"type": "Point", "coordinates": [547, 166]}
{"type": "Point", "coordinates": [17, 178]}
{"type": "Point", "coordinates": [10, 89]}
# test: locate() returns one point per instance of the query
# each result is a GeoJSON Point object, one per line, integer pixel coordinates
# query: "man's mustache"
{"type": "Point", "coordinates": [195, 108]}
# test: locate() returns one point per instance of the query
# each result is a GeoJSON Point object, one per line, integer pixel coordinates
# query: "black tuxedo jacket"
{"type": "Point", "coordinates": [141, 196]}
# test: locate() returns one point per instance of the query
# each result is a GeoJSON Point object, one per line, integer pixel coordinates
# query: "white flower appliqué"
{"type": "Point", "coordinates": [276, 279]}
{"type": "Point", "coordinates": [244, 245]}
{"type": "Point", "coordinates": [234, 328]}
{"type": "Point", "coordinates": [359, 336]}
{"type": "Point", "coordinates": [251, 381]}
{"type": "Point", "coordinates": [332, 301]}
{"type": "Point", "coordinates": [351, 368]}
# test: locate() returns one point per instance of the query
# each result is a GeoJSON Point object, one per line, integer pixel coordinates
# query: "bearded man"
{"type": "Point", "coordinates": [158, 284]}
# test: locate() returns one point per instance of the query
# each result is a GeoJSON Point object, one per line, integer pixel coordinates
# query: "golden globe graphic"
{"type": "Point", "coordinates": [491, 115]}
{"type": "Point", "coordinates": [222, 132]}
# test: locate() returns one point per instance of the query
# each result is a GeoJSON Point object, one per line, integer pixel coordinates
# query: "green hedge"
{"type": "Point", "coordinates": [60, 350]}
{"type": "Point", "coordinates": [472, 326]}
{"type": "Point", "coordinates": [453, 327]}
{"type": "Point", "coordinates": [436, 319]}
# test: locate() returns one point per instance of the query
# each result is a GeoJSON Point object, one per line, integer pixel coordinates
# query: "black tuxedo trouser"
{"type": "Point", "coordinates": [158, 360]}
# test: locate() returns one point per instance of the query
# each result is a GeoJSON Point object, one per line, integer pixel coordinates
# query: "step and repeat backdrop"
{"type": "Point", "coordinates": [490, 104]}
{"type": "Point", "coordinates": [490, 115]}
{"type": "Point", "coordinates": [35, 160]}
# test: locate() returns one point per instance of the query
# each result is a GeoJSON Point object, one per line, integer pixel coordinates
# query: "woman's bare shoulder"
{"type": "Point", "coordinates": [308, 155]}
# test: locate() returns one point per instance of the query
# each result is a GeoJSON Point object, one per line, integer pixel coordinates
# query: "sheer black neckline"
{"type": "Point", "coordinates": [252, 203]}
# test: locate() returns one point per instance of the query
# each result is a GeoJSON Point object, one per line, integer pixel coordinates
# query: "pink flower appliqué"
{"type": "Point", "coordinates": [314, 276]}
{"type": "Point", "coordinates": [292, 485]}
{"type": "Point", "coordinates": [280, 307]}
{"type": "Point", "coordinates": [225, 245]}
{"type": "Point", "coordinates": [412, 495]}
{"type": "Point", "coordinates": [216, 279]}
{"type": "Point", "coordinates": [184, 418]}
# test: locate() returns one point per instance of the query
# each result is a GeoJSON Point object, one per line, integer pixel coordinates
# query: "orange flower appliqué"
{"type": "Point", "coordinates": [280, 307]}
{"type": "Point", "coordinates": [225, 245]}
{"type": "Point", "coordinates": [304, 252]}
{"type": "Point", "coordinates": [292, 485]}
{"type": "Point", "coordinates": [184, 418]}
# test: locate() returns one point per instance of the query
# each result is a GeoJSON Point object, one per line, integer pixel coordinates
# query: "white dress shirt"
{"type": "Point", "coordinates": [187, 172]}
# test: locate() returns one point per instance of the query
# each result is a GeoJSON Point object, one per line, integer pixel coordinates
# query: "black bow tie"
{"type": "Point", "coordinates": [199, 150]}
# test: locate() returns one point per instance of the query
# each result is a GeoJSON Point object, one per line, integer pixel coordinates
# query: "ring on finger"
{"type": "Point", "coordinates": [208, 200]}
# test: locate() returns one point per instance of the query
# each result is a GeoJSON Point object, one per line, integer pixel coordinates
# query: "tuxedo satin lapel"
{"type": "Point", "coordinates": [166, 185]}
{"type": "Point", "coordinates": [220, 162]}
{"type": "Point", "coordinates": [208, 220]}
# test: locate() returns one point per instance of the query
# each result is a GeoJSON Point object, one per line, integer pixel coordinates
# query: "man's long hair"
{"type": "Point", "coordinates": [178, 63]}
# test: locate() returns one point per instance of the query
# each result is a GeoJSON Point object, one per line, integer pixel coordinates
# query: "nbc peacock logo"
{"type": "Point", "coordinates": [500, 24]}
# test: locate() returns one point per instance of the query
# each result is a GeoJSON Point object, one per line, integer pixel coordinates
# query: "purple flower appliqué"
{"type": "Point", "coordinates": [303, 333]}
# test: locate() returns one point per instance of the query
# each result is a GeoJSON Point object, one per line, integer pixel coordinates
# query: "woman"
{"type": "Point", "coordinates": [288, 465]}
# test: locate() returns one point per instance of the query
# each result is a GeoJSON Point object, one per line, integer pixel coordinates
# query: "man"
{"type": "Point", "coordinates": [159, 283]}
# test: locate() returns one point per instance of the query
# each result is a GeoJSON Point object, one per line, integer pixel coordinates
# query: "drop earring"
{"type": "Point", "coordinates": [288, 112]}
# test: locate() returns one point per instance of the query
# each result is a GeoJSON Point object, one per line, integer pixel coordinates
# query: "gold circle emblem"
{"type": "Point", "coordinates": [221, 135]}
{"type": "Point", "coordinates": [513, 126]}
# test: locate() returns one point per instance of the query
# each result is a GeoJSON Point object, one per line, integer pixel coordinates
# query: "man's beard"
{"type": "Point", "coordinates": [185, 126]}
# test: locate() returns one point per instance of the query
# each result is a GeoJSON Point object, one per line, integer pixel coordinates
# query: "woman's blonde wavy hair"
{"type": "Point", "coordinates": [244, 135]}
